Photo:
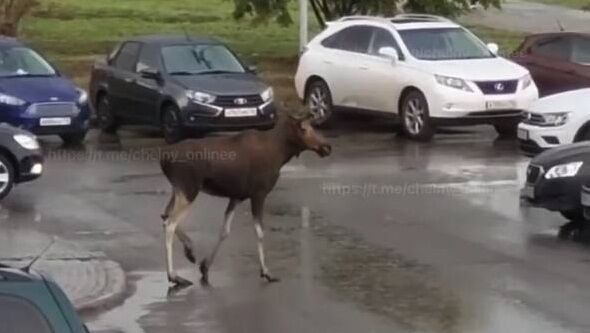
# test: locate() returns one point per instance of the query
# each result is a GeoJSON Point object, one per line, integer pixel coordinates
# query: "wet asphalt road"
{"type": "Point", "coordinates": [402, 237]}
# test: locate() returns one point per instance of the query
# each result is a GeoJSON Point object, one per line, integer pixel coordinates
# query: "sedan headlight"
{"type": "Point", "coordinates": [26, 141]}
{"type": "Point", "coordinates": [200, 97]}
{"type": "Point", "coordinates": [267, 95]}
{"type": "Point", "coordinates": [453, 82]}
{"type": "Point", "coordinates": [526, 81]}
{"type": "Point", "coordinates": [11, 100]}
{"type": "Point", "coordinates": [564, 170]}
{"type": "Point", "coordinates": [82, 96]}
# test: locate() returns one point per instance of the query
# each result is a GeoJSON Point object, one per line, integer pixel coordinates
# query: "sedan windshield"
{"type": "Point", "coordinates": [200, 59]}
{"type": "Point", "coordinates": [444, 44]}
{"type": "Point", "coordinates": [22, 61]}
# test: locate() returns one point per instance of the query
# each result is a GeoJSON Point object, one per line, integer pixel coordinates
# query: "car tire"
{"type": "Point", "coordinates": [106, 119]}
{"type": "Point", "coordinates": [7, 176]}
{"type": "Point", "coordinates": [318, 100]}
{"type": "Point", "coordinates": [507, 129]}
{"type": "Point", "coordinates": [573, 215]}
{"type": "Point", "coordinates": [73, 138]}
{"type": "Point", "coordinates": [415, 117]}
{"type": "Point", "coordinates": [171, 124]}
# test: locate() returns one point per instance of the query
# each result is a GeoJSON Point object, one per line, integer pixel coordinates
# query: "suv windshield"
{"type": "Point", "coordinates": [444, 44]}
{"type": "Point", "coordinates": [200, 59]}
{"type": "Point", "coordinates": [22, 61]}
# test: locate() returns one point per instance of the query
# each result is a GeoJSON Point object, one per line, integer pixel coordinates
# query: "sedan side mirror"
{"type": "Point", "coordinates": [389, 53]}
{"type": "Point", "coordinates": [494, 48]}
{"type": "Point", "coordinates": [150, 73]}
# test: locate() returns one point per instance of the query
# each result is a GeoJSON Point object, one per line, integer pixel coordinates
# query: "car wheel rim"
{"type": "Point", "coordinates": [4, 177]}
{"type": "Point", "coordinates": [318, 104]}
{"type": "Point", "coordinates": [414, 116]}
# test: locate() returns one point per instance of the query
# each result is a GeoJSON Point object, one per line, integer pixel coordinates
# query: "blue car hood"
{"type": "Point", "coordinates": [39, 89]}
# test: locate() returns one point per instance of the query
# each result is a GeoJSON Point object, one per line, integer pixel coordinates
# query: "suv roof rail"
{"type": "Point", "coordinates": [426, 17]}
{"type": "Point", "coordinates": [362, 17]}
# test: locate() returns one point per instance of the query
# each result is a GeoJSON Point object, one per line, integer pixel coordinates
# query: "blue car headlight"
{"type": "Point", "coordinates": [11, 100]}
{"type": "Point", "coordinates": [82, 96]}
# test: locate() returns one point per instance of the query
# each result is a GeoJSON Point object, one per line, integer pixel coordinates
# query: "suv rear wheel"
{"type": "Point", "coordinates": [6, 176]}
{"type": "Point", "coordinates": [319, 102]}
{"type": "Point", "coordinates": [415, 117]}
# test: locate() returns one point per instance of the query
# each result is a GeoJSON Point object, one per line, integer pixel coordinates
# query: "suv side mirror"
{"type": "Point", "coordinates": [150, 73]}
{"type": "Point", "coordinates": [252, 69]}
{"type": "Point", "coordinates": [493, 47]}
{"type": "Point", "coordinates": [389, 53]}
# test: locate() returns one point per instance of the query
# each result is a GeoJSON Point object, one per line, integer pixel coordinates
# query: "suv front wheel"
{"type": "Point", "coordinates": [415, 117]}
{"type": "Point", "coordinates": [319, 103]}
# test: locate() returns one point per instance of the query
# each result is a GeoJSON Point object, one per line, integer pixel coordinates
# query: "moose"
{"type": "Point", "coordinates": [247, 166]}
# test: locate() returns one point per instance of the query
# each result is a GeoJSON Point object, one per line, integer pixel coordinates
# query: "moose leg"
{"type": "Point", "coordinates": [187, 243]}
{"type": "Point", "coordinates": [175, 212]}
{"type": "Point", "coordinates": [223, 234]}
{"type": "Point", "coordinates": [257, 212]}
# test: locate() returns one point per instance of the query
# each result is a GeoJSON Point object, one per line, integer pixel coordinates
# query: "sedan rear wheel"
{"type": "Point", "coordinates": [6, 176]}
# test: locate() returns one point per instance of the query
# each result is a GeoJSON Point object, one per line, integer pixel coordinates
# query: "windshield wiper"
{"type": "Point", "coordinates": [182, 73]}
{"type": "Point", "coordinates": [28, 75]}
{"type": "Point", "coordinates": [216, 71]}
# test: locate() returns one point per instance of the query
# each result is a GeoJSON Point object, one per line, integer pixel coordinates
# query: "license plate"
{"type": "Point", "coordinates": [55, 121]}
{"type": "Point", "coordinates": [522, 134]}
{"type": "Point", "coordinates": [527, 192]}
{"type": "Point", "coordinates": [500, 105]}
{"type": "Point", "coordinates": [240, 112]}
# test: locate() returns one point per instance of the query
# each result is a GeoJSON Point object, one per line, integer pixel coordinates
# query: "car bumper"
{"type": "Point", "coordinates": [555, 195]}
{"type": "Point", "coordinates": [543, 137]}
{"type": "Point", "coordinates": [585, 201]}
{"type": "Point", "coordinates": [79, 123]}
{"type": "Point", "coordinates": [449, 103]}
{"type": "Point", "coordinates": [204, 118]}
{"type": "Point", "coordinates": [30, 167]}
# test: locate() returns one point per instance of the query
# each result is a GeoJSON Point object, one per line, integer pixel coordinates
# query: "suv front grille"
{"type": "Point", "coordinates": [533, 173]}
{"type": "Point", "coordinates": [238, 101]}
{"type": "Point", "coordinates": [53, 109]}
{"type": "Point", "coordinates": [497, 87]}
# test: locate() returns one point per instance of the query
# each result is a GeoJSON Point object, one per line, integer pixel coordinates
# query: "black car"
{"type": "Point", "coordinates": [184, 85]}
{"type": "Point", "coordinates": [32, 303]}
{"type": "Point", "coordinates": [21, 159]}
{"type": "Point", "coordinates": [555, 177]}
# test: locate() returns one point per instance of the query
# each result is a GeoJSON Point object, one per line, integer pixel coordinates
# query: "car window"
{"type": "Point", "coordinates": [147, 59]}
{"type": "Point", "coordinates": [444, 44]}
{"type": "Point", "coordinates": [23, 61]}
{"type": "Point", "coordinates": [581, 51]}
{"type": "Point", "coordinates": [555, 48]}
{"type": "Point", "coordinates": [127, 56]}
{"type": "Point", "coordinates": [353, 39]}
{"type": "Point", "coordinates": [383, 38]}
{"type": "Point", "coordinates": [19, 315]}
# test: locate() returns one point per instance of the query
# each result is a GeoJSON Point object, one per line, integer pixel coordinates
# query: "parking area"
{"type": "Point", "coordinates": [387, 233]}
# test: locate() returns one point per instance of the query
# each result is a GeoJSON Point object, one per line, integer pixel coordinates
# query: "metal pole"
{"type": "Point", "coordinates": [302, 24]}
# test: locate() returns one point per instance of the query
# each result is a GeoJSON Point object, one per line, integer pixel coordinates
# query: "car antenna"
{"type": "Point", "coordinates": [27, 268]}
{"type": "Point", "coordinates": [561, 28]}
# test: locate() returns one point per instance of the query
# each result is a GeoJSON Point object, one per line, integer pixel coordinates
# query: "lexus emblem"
{"type": "Point", "coordinates": [499, 86]}
{"type": "Point", "coordinates": [240, 101]}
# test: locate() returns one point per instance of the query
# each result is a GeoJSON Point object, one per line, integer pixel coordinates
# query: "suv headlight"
{"type": "Point", "coordinates": [82, 96]}
{"type": "Point", "coordinates": [526, 81]}
{"type": "Point", "coordinates": [26, 141]}
{"type": "Point", "coordinates": [200, 97]}
{"type": "Point", "coordinates": [267, 95]}
{"type": "Point", "coordinates": [555, 118]}
{"type": "Point", "coordinates": [453, 82]}
{"type": "Point", "coordinates": [11, 100]}
{"type": "Point", "coordinates": [564, 170]}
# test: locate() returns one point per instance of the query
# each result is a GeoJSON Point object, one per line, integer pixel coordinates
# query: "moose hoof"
{"type": "Point", "coordinates": [179, 281]}
{"type": "Point", "coordinates": [268, 277]}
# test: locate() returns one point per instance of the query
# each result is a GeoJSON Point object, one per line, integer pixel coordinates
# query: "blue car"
{"type": "Point", "coordinates": [34, 96]}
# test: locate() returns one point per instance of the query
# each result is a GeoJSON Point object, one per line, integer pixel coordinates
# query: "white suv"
{"type": "Point", "coordinates": [427, 69]}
